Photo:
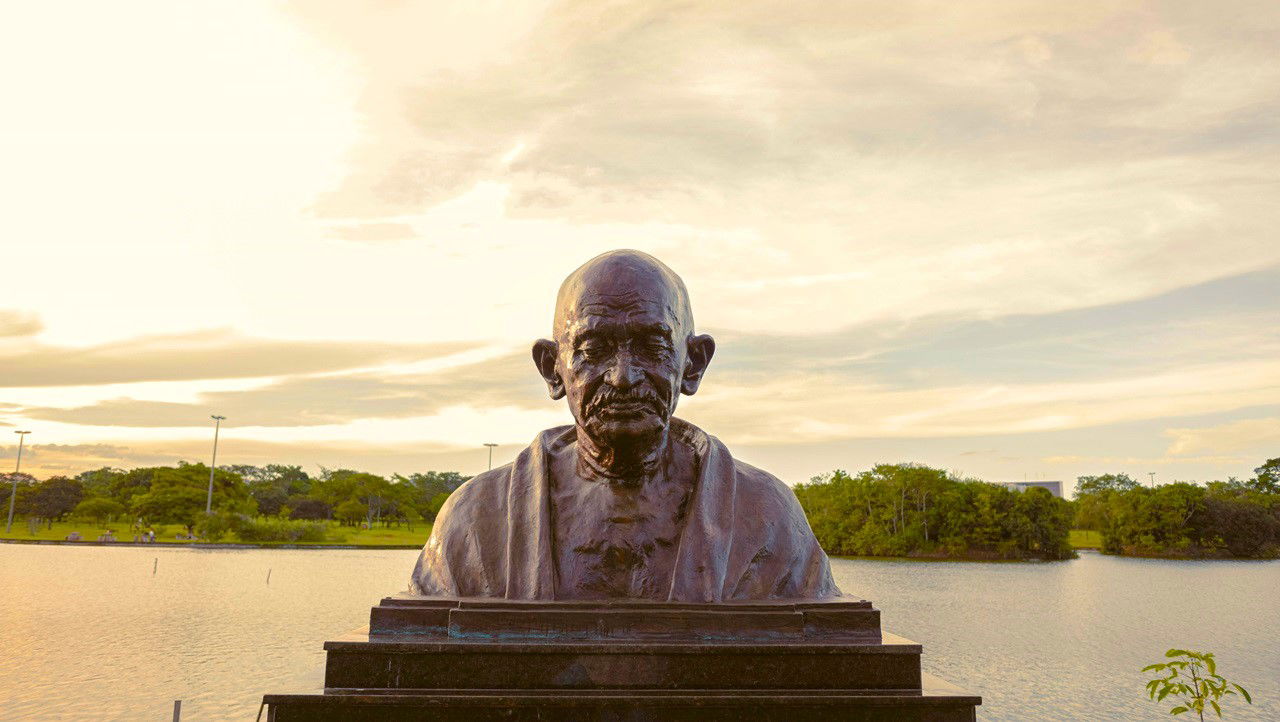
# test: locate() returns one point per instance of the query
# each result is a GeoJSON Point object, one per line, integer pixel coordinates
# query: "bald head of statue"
{"type": "Point", "coordinates": [624, 349]}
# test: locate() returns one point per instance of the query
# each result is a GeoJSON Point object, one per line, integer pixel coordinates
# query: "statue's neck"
{"type": "Point", "coordinates": [632, 464]}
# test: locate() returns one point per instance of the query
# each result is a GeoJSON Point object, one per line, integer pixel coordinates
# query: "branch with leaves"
{"type": "Point", "coordinates": [1192, 679]}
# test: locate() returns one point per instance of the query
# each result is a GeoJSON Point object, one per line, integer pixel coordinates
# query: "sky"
{"type": "Point", "coordinates": [1014, 241]}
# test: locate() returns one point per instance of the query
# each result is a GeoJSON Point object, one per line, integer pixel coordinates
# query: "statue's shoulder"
{"type": "Point", "coordinates": [763, 489]}
{"type": "Point", "coordinates": [483, 496]}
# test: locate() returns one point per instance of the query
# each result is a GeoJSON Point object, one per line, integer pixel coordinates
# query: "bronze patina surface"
{"type": "Point", "coordinates": [626, 567]}
{"type": "Point", "coordinates": [629, 502]}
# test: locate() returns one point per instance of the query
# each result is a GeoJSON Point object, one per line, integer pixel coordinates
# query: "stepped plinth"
{"type": "Point", "coordinates": [471, 659]}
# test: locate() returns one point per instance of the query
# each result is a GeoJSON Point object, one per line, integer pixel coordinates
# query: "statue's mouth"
{"type": "Point", "coordinates": [614, 407]}
{"type": "Point", "coordinates": [626, 408]}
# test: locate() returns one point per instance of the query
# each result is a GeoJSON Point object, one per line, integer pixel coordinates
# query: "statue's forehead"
{"type": "Point", "coordinates": [622, 288]}
{"type": "Point", "coordinates": [593, 308]}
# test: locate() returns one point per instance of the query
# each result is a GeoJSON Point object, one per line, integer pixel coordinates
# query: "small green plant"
{"type": "Point", "coordinates": [1191, 678]}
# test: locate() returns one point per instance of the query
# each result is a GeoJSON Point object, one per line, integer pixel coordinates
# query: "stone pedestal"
{"type": "Point", "coordinates": [470, 659]}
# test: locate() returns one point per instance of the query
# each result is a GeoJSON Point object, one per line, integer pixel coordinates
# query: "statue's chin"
{"type": "Point", "coordinates": [630, 435]}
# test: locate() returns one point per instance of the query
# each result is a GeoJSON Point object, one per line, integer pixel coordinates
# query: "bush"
{"type": "Point", "coordinates": [351, 512]}
{"type": "Point", "coordinates": [98, 509]}
{"type": "Point", "coordinates": [213, 527]}
{"type": "Point", "coordinates": [282, 530]}
{"type": "Point", "coordinates": [304, 508]}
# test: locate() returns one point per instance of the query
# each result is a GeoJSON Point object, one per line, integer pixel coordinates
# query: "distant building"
{"type": "Point", "coordinates": [1054, 487]}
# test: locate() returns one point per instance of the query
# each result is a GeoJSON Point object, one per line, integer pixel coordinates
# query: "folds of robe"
{"type": "Point", "coordinates": [744, 537]}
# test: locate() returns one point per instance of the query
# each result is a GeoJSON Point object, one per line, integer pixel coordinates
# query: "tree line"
{"type": "Point", "coordinates": [268, 503]}
{"type": "Point", "coordinates": [1232, 518]}
{"type": "Point", "coordinates": [915, 510]}
{"type": "Point", "coordinates": [889, 510]}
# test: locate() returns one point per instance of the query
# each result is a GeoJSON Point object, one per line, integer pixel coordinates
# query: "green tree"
{"type": "Point", "coordinates": [25, 483]}
{"type": "Point", "coordinates": [272, 485]}
{"type": "Point", "coordinates": [305, 508]}
{"type": "Point", "coordinates": [1267, 479]}
{"type": "Point", "coordinates": [132, 483]}
{"type": "Point", "coordinates": [910, 509]}
{"type": "Point", "coordinates": [54, 498]}
{"type": "Point", "coordinates": [424, 487]}
{"type": "Point", "coordinates": [1191, 679]}
{"type": "Point", "coordinates": [1105, 482]}
{"type": "Point", "coordinates": [98, 482]}
{"type": "Point", "coordinates": [178, 495]}
{"type": "Point", "coordinates": [101, 510]}
{"type": "Point", "coordinates": [351, 512]}
{"type": "Point", "coordinates": [437, 501]}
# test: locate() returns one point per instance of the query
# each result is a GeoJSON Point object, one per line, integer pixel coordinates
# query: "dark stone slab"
{"type": "Point", "coordinates": [935, 702]}
{"type": "Point", "coordinates": [853, 620]}
{"type": "Point", "coordinates": [470, 659]}
{"type": "Point", "coordinates": [365, 661]}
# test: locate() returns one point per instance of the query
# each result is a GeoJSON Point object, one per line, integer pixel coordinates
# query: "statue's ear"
{"type": "Point", "coordinates": [544, 357]}
{"type": "Point", "coordinates": [701, 349]}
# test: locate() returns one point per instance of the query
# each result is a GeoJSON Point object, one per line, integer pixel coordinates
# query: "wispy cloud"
{"type": "Point", "coordinates": [1252, 434]}
{"type": "Point", "coordinates": [218, 354]}
{"type": "Point", "coordinates": [19, 323]}
{"type": "Point", "coordinates": [912, 161]}
{"type": "Point", "coordinates": [407, 458]}
{"type": "Point", "coordinates": [507, 381]}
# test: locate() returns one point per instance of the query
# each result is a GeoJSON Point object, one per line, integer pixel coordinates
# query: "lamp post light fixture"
{"type": "Point", "coordinates": [490, 454]}
{"type": "Point", "coordinates": [13, 492]}
{"type": "Point", "coordinates": [213, 465]}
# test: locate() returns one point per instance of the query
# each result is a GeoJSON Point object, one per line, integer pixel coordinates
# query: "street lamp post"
{"type": "Point", "coordinates": [13, 492]}
{"type": "Point", "coordinates": [490, 454]}
{"type": "Point", "coordinates": [213, 465]}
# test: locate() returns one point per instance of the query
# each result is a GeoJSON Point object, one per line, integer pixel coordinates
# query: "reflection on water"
{"type": "Point", "coordinates": [92, 633]}
{"type": "Point", "coordinates": [1065, 640]}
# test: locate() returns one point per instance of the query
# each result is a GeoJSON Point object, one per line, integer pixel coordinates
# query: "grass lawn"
{"type": "Point", "coordinates": [1086, 539]}
{"type": "Point", "coordinates": [381, 536]}
{"type": "Point", "coordinates": [89, 531]}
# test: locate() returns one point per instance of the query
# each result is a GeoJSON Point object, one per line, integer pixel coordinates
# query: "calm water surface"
{"type": "Point", "coordinates": [91, 633]}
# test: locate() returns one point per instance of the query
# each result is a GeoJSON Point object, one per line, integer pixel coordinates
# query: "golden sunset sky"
{"type": "Point", "coordinates": [1007, 239]}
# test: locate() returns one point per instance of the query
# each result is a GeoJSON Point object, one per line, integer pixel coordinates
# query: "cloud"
{"type": "Point", "coordinates": [215, 354]}
{"type": "Point", "coordinates": [48, 459]}
{"type": "Point", "coordinates": [1073, 459]}
{"type": "Point", "coordinates": [19, 324]}
{"type": "Point", "coordinates": [1202, 352]}
{"type": "Point", "coordinates": [900, 161]}
{"type": "Point", "coordinates": [379, 458]}
{"type": "Point", "coordinates": [1232, 436]}
{"type": "Point", "coordinates": [800, 407]}
{"type": "Point", "coordinates": [1217, 322]}
{"type": "Point", "coordinates": [506, 381]}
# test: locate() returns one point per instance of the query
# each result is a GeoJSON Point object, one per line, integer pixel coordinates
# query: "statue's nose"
{"type": "Point", "coordinates": [623, 373]}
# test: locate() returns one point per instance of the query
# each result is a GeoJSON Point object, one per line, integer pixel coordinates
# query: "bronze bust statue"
{"type": "Point", "coordinates": [629, 502]}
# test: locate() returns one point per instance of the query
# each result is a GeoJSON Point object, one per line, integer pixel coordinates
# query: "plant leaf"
{"type": "Point", "coordinates": [1243, 693]}
{"type": "Point", "coordinates": [1216, 708]}
{"type": "Point", "coordinates": [1177, 710]}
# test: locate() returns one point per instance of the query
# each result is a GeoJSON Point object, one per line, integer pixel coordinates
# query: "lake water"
{"type": "Point", "coordinates": [92, 633]}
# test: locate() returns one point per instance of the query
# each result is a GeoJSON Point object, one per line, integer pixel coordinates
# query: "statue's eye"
{"type": "Point", "coordinates": [656, 346]}
{"type": "Point", "coordinates": [594, 350]}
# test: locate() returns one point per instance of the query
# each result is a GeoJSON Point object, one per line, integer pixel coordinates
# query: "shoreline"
{"type": "Point", "coordinates": [206, 545]}
{"type": "Point", "coordinates": [393, 547]}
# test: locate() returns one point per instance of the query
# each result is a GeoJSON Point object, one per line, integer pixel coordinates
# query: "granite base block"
{"type": "Point", "coordinates": [450, 659]}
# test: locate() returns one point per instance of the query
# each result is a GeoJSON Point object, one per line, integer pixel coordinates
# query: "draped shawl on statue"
{"type": "Point", "coordinates": [745, 535]}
